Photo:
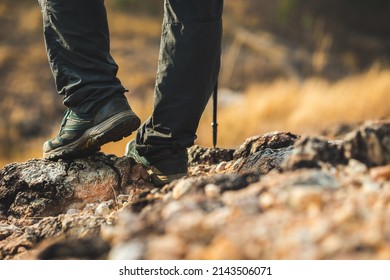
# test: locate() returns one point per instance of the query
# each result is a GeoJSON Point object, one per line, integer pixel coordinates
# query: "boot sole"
{"type": "Point", "coordinates": [113, 129]}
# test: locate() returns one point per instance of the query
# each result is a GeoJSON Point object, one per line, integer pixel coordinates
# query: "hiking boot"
{"type": "Point", "coordinates": [164, 168]}
{"type": "Point", "coordinates": [84, 134]}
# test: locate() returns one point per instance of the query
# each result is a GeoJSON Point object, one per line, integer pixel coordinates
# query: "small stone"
{"type": "Point", "coordinates": [181, 188]}
{"type": "Point", "coordinates": [197, 170]}
{"type": "Point", "coordinates": [7, 230]}
{"type": "Point", "coordinates": [266, 201]}
{"type": "Point", "coordinates": [102, 209]}
{"type": "Point", "coordinates": [90, 206]}
{"type": "Point", "coordinates": [212, 191]}
{"type": "Point", "coordinates": [110, 220]}
{"type": "Point", "coordinates": [221, 167]}
{"type": "Point", "coordinates": [381, 172]}
{"type": "Point", "coordinates": [122, 198]}
{"type": "Point", "coordinates": [132, 250]}
{"type": "Point", "coordinates": [73, 211]}
{"type": "Point", "coordinates": [356, 167]}
{"type": "Point", "coordinates": [303, 198]}
{"type": "Point", "coordinates": [21, 250]}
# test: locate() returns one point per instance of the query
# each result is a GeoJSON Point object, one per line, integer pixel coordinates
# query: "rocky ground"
{"type": "Point", "coordinates": [277, 196]}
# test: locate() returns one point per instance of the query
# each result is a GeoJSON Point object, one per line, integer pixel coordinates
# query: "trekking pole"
{"type": "Point", "coordinates": [214, 124]}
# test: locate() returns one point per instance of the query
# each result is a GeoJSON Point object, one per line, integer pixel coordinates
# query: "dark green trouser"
{"type": "Point", "coordinates": [77, 41]}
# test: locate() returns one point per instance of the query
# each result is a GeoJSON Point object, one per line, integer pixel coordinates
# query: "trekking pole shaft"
{"type": "Point", "coordinates": [214, 124]}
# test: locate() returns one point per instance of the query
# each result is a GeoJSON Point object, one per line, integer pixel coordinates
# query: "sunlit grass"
{"type": "Point", "coordinates": [125, 24]}
{"type": "Point", "coordinates": [303, 108]}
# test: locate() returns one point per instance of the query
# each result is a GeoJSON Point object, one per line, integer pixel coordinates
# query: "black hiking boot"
{"type": "Point", "coordinates": [82, 135]}
{"type": "Point", "coordinates": [163, 168]}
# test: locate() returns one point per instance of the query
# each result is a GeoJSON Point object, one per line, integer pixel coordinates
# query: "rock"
{"type": "Point", "coordinates": [103, 209]}
{"type": "Point", "coordinates": [121, 199]}
{"type": "Point", "coordinates": [263, 153]}
{"type": "Point", "coordinates": [198, 155]}
{"type": "Point", "coordinates": [265, 161]}
{"type": "Point", "coordinates": [369, 144]}
{"type": "Point", "coordinates": [310, 152]}
{"type": "Point", "coordinates": [274, 140]}
{"type": "Point", "coordinates": [45, 188]}
{"type": "Point", "coordinates": [51, 228]}
{"type": "Point", "coordinates": [7, 230]}
{"type": "Point", "coordinates": [229, 182]}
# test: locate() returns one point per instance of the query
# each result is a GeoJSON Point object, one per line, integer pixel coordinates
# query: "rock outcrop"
{"type": "Point", "coordinates": [46, 188]}
{"type": "Point", "coordinates": [277, 196]}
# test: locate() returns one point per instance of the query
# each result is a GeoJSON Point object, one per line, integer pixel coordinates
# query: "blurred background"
{"type": "Point", "coordinates": [309, 67]}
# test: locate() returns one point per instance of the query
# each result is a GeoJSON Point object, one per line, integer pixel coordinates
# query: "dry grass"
{"type": "Point", "coordinates": [126, 24]}
{"type": "Point", "coordinates": [304, 108]}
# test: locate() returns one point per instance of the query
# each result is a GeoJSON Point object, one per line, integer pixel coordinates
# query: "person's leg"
{"type": "Point", "coordinates": [188, 69]}
{"type": "Point", "coordinates": [78, 48]}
